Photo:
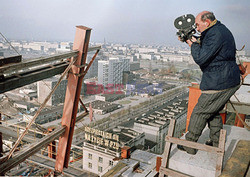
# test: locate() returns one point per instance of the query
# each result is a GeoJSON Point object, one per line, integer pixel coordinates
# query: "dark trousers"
{"type": "Point", "coordinates": [207, 111]}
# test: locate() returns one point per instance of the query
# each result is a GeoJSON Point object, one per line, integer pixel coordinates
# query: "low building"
{"type": "Point", "coordinates": [110, 97]}
{"type": "Point", "coordinates": [155, 125]}
{"type": "Point", "coordinates": [24, 105]}
{"type": "Point", "coordinates": [29, 94]}
{"type": "Point", "coordinates": [46, 115]}
{"type": "Point", "coordinates": [147, 56]}
{"type": "Point", "coordinates": [146, 89]}
{"type": "Point", "coordinates": [102, 150]}
{"type": "Point", "coordinates": [102, 107]}
{"type": "Point", "coordinates": [134, 66]}
{"type": "Point", "coordinates": [127, 77]}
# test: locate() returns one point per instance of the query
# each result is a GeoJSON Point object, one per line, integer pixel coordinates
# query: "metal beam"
{"type": "Point", "coordinates": [94, 48]}
{"type": "Point", "coordinates": [29, 151]}
{"type": "Point", "coordinates": [72, 97]}
{"type": "Point", "coordinates": [31, 77]}
{"type": "Point", "coordinates": [27, 64]}
{"type": "Point", "coordinates": [44, 161]}
{"type": "Point", "coordinates": [1, 138]}
{"type": "Point", "coordinates": [20, 74]}
{"type": "Point", "coordinates": [12, 59]}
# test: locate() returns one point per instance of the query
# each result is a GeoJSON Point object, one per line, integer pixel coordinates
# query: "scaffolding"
{"type": "Point", "coordinates": [20, 73]}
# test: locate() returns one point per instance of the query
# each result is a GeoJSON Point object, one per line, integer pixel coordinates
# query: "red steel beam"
{"type": "Point", "coordinates": [1, 138]}
{"type": "Point", "coordinates": [52, 146]}
{"type": "Point", "coordinates": [72, 97]}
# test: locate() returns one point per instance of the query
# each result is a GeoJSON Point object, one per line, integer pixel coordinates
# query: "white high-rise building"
{"type": "Point", "coordinates": [110, 72]}
{"type": "Point", "coordinates": [103, 71]}
{"type": "Point", "coordinates": [44, 88]}
{"type": "Point", "coordinates": [93, 70]}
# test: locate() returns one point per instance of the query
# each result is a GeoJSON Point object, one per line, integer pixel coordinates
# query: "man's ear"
{"type": "Point", "coordinates": [207, 22]}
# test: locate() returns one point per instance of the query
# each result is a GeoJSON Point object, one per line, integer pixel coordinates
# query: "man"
{"type": "Point", "coordinates": [215, 54]}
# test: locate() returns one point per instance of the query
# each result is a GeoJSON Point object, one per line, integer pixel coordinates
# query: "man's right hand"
{"type": "Point", "coordinates": [191, 41]}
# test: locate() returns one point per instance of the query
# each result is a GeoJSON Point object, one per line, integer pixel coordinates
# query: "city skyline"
{"type": "Point", "coordinates": [142, 22]}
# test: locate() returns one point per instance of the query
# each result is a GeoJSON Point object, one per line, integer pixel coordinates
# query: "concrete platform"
{"type": "Point", "coordinates": [242, 102]}
{"type": "Point", "coordinates": [203, 163]}
{"type": "Point", "coordinates": [247, 79]}
{"type": "Point", "coordinates": [243, 95]}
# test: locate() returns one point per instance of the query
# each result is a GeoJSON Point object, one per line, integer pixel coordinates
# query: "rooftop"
{"type": "Point", "coordinates": [125, 134]}
{"type": "Point", "coordinates": [159, 118]}
{"type": "Point", "coordinates": [140, 164]}
{"type": "Point", "coordinates": [203, 162]}
{"type": "Point", "coordinates": [102, 105]}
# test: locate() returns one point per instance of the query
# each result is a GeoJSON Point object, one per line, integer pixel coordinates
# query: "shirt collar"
{"type": "Point", "coordinates": [211, 25]}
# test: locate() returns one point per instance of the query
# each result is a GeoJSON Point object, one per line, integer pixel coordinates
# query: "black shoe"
{"type": "Point", "coordinates": [191, 150]}
{"type": "Point", "coordinates": [187, 149]}
{"type": "Point", "coordinates": [215, 144]}
{"type": "Point", "coordinates": [180, 147]}
{"type": "Point", "coordinates": [209, 142]}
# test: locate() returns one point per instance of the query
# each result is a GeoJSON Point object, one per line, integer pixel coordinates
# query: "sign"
{"type": "Point", "coordinates": [102, 138]}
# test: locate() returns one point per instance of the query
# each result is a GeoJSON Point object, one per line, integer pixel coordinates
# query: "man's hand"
{"type": "Point", "coordinates": [191, 41]}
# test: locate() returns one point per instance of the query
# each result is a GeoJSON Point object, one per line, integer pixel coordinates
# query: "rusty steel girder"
{"type": "Point", "coordinates": [72, 97]}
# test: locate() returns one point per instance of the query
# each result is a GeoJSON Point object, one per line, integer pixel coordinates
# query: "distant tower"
{"type": "Point", "coordinates": [150, 66]}
{"type": "Point", "coordinates": [104, 43]}
{"type": "Point", "coordinates": [90, 112]}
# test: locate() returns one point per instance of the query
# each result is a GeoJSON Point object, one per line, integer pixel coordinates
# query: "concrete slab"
{"type": "Point", "coordinates": [247, 79]}
{"type": "Point", "coordinates": [243, 94]}
{"type": "Point", "coordinates": [203, 163]}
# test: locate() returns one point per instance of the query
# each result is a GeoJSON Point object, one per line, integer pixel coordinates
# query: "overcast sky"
{"type": "Point", "coordinates": [125, 21]}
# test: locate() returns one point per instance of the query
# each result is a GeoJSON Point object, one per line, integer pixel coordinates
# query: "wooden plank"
{"type": "Point", "coordinates": [221, 154]}
{"type": "Point", "coordinates": [172, 173]}
{"type": "Point", "coordinates": [194, 145]}
{"type": "Point", "coordinates": [165, 157]}
{"type": "Point", "coordinates": [29, 151]}
{"type": "Point", "coordinates": [238, 164]}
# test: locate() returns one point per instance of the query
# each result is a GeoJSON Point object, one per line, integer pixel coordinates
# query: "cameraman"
{"type": "Point", "coordinates": [215, 54]}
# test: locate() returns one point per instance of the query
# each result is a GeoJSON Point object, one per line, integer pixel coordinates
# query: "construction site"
{"type": "Point", "coordinates": [61, 142]}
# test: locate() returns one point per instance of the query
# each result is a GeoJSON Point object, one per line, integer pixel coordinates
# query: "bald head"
{"type": "Point", "coordinates": [203, 20]}
{"type": "Point", "coordinates": [207, 15]}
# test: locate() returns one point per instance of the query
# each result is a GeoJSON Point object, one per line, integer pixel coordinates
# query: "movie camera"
{"type": "Point", "coordinates": [186, 26]}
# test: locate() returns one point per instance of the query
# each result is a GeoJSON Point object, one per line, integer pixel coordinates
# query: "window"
{"type": "Point", "coordinates": [111, 163]}
{"type": "Point", "coordinates": [99, 169]}
{"type": "Point", "coordinates": [100, 159]}
{"type": "Point", "coordinates": [90, 165]}
{"type": "Point", "coordinates": [90, 156]}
